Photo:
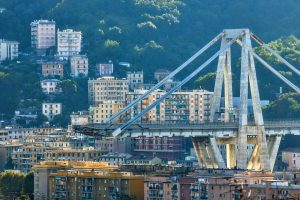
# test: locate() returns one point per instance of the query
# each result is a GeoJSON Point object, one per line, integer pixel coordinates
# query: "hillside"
{"type": "Point", "coordinates": [150, 34]}
{"type": "Point", "coordinates": [138, 31]}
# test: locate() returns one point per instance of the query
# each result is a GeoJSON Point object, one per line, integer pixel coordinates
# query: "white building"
{"type": "Point", "coordinates": [79, 66]}
{"type": "Point", "coordinates": [49, 86]}
{"type": "Point", "coordinates": [42, 34]}
{"type": "Point", "coordinates": [105, 69]}
{"type": "Point", "coordinates": [107, 89]}
{"type": "Point", "coordinates": [50, 110]}
{"type": "Point", "coordinates": [9, 50]}
{"type": "Point", "coordinates": [68, 43]}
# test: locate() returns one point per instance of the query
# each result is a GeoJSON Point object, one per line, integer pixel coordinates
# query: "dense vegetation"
{"type": "Point", "coordinates": [150, 34]}
{"type": "Point", "coordinates": [15, 185]}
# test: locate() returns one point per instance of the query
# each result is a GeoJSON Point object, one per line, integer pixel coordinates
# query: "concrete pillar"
{"type": "Point", "coordinates": [199, 154]}
{"type": "Point", "coordinates": [230, 156]}
{"type": "Point", "coordinates": [228, 87]}
{"type": "Point", "coordinates": [215, 106]}
{"type": "Point", "coordinates": [216, 153]}
{"type": "Point", "coordinates": [243, 111]}
{"type": "Point", "coordinates": [273, 150]}
{"type": "Point", "coordinates": [242, 148]}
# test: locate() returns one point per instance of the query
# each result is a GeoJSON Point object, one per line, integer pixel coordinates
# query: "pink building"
{"type": "Point", "coordinates": [291, 156]}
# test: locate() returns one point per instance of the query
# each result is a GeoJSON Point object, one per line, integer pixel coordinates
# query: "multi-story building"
{"type": "Point", "coordinates": [135, 79]}
{"type": "Point", "coordinates": [107, 89]}
{"type": "Point", "coordinates": [104, 69]}
{"type": "Point", "coordinates": [9, 50]}
{"type": "Point", "coordinates": [116, 158]}
{"type": "Point", "coordinates": [167, 148]}
{"type": "Point", "coordinates": [79, 66]}
{"type": "Point", "coordinates": [50, 110]}
{"type": "Point", "coordinates": [161, 188]}
{"type": "Point", "coordinates": [101, 112]}
{"type": "Point", "coordinates": [291, 156]}
{"type": "Point", "coordinates": [6, 149]}
{"type": "Point", "coordinates": [180, 107]}
{"type": "Point", "coordinates": [50, 86]}
{"type": "Point", "coordinates": [68, 43]}
{"type": "Point", "coordinates": [42, 34]}
{"type": "Point", "coordinates": [85, 154]}
{"type": "Point", "coordinates": [115, 145]}
{"type": "Point", "coordinates": [80, 118]}
{"type": "Point", "coordinates": [85, 180]}
{"type": "Point", "coordinates": [53, 69]}
{"type": "Point", "coordinates": [28, 155]}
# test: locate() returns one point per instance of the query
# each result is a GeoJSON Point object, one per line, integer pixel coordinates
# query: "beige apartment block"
{"type": "Point", "coordinates": [79, 66]}
{"type": "Point", "coordinates": [107, 89]}
{"type": "Point", "coordinates": [182, 106]}
{"type": "Point", "coordinates": [104, 110]}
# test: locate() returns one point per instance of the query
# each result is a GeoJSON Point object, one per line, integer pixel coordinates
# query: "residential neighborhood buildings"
{"type": "Point", "coordinates": [9, 50]}
{"type": "Point", "coordinates": [42, 34]}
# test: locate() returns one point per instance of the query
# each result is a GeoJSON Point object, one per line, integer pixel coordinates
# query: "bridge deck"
{"type": "Point", "coordinates": [105, 129]}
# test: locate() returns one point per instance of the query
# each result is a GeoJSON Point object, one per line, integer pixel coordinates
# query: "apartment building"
{"type": "Point", "coordinates": [42, 34]}
{"type": "Point", "coordinates": [66, 154]}
{"type": "Point", "coordinates": [6, 149]}
{"type": "Point", "coordinates": [116, 158]}
{"type": "Point", "coordinates": [79, 66]}
{"type": "Point", "coordinates": [28, 155]}
{"type": "Point", "coordinates": [161, 188]}
{"type": "Point", "coordinates": [50, 86]}
{"type": "Point", "coordinates": [9, 50]}
{"type": "Point", "coordinates": [114, 145]}
{"type": "Point", "coordinates": [180, 107]}
{"type": "Point", "coordinates": [104, 69]}
{"type": "Point", "coordinates": [85, 180]}
{"type": "Point", "coordinates": [135, 79]}
{"type": "Point", "coordinates": [107, 89]}
{"type": "Point", "coordinates": [101, 112]}
{"type": "Point", "coordinates": [68, 43]}
{"type": "Point", "coordinates": [291, 156]}
{"type": "Point", "coordinates": [50, 110]}
{"type": "Point", "coordinates": [53, 69]}
{"type": "Point", "coordinates": [166, 148]}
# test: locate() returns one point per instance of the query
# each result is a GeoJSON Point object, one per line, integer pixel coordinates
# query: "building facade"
{"type": "Point", "coordinates": [104, 69]}
{"type": "Point", "coordinates": [42, 34]}
{"type": "Point", "coordinates": [50, 86]}
{"type": "Point", "coordinates": [53, 69]}
{"type": "Point", "coordinates": [50, 110]}
{"type": "Point", "coordinates": [180, 107]}
{"type": "Point", "coordinates": [107, 89]}
{"type": "Point", "coordinates": [9, 50]}
{"type": "Point", "coordinates": [166, 148]}
{"type": "Point", "coordinates": [85, 180]}
{"type": "Point", "coordinates": [79, 66]}
{"type": "Point", "coordinates": [68, 43]}
{"type": "Point", "coordinates": [101, 112]}
{"type": "Point", "coordinates": [135, 79]}
{"type": "Point", "coordinates": [291, 156]}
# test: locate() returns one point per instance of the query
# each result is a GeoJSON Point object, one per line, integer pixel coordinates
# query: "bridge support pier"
{"type": "Point", "coordinates": [274, 143]}
{"type": "Point", "coordinates": [208, 153]}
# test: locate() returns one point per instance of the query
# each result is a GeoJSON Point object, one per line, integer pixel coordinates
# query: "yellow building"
{"type": "Point", "coordinates": [104, 110]}
{"type": "Point", "coordinates": [85, 180]}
